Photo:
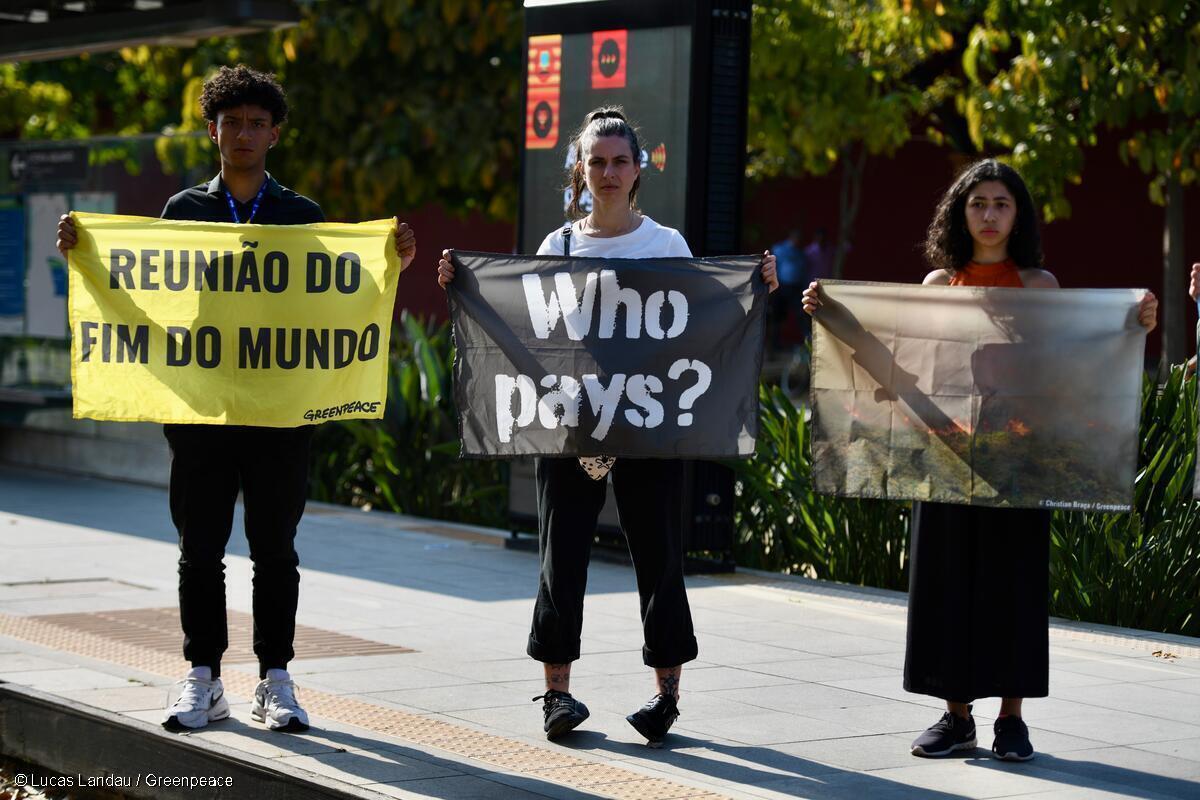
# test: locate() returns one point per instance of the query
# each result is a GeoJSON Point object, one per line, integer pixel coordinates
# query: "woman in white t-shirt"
{"type": "Point", "coordinates": [571, 491]}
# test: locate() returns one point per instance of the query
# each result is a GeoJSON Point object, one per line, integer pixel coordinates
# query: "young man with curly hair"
{"type": "Point", "coordinates": [210, 464]}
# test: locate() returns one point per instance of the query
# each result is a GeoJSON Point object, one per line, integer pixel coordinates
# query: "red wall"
{"type": "Point", "coordinates": [437, 230]}
{"type": "Point", "coordinates": [146, 193]}
{"type": "Point", "coordinates": [1113, 237]}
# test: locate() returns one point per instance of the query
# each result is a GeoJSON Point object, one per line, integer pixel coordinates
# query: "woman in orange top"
{"type": "Point", "coordinates": [978, 603]}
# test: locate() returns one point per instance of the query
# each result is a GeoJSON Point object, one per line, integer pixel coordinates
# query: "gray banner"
{"type": "Point", "coordinates": [650, 357]}
{"type": "Point", "coordinates": [997, 397]}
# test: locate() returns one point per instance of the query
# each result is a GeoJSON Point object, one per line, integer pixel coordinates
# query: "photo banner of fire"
{"type": "Point", "coordinates": [655, 358]}
{"type": "Point", "coordinates": [211, 322]}
{"type": "Point", "coordinates": [984, 396]}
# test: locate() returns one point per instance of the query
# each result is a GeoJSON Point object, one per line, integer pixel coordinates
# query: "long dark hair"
{"type": "Point", "coordinates": [948, 243]}
{"type": "Point", "coordinates": [604, 121]}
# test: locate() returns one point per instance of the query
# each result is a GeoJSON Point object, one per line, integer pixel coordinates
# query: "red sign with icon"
{"type": "Point", "coordinates": [608, 59]}
{"type": "Point", "coordinates": [541, 92]}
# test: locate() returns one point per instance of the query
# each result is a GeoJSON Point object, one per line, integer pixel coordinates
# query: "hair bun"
{"type": "Point", "coordinates": [606, 113]}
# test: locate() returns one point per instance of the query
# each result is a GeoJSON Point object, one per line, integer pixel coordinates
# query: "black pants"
{"type": "Point", "coordinates": [209, 464]}
{"type": "Point", "coordinates": [649, 499]}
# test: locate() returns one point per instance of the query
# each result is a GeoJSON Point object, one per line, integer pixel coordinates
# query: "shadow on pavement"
{"type": "Point", "coordinates": [784, 773]}
{"type": "Point", "coordinates": [1099, 776]}
{"type": "Point", "coordinates": [365, 761]}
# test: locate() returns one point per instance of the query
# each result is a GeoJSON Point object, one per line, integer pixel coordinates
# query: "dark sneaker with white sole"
{"type": "Point", "coordinates": [1012, 739]}
{"type": "Point", "coordinates": [950, 734]}
{"type": "Point", "coordinates": [562, 711]}
{"type": "Point", "coordinates": [654, 719]}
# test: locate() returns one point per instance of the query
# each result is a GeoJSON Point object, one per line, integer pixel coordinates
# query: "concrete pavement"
{"type": "Point", "coordinates": [797, 691]}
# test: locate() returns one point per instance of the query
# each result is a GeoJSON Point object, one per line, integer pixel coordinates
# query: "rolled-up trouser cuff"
{"type": "Point", "coordinates": [550, 655]}
{"type": "Point", "coordinates": [680, 654]}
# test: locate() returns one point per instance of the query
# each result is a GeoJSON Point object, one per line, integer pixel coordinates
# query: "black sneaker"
{"type": "Point", "coordinates": [563, 712]}
{"type": "Point", "coordinates": [1012, 739]}
{"type": "Point", "coordinates": [654, 719]}
{"type": "Point", "coordinates": [950, 733]}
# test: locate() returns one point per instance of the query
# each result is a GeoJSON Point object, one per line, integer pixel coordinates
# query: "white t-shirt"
{"type": "Point", "coordinates": [648, 240]}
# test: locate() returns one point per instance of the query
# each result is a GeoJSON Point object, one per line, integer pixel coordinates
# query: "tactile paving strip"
{"type": "Point", "coordinates": [158, 629]}
{"type": "Point", "coordinates": [506, 754]}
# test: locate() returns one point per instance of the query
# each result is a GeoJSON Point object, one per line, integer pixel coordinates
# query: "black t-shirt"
{"type": "Point", "coordinates": [208, 203]}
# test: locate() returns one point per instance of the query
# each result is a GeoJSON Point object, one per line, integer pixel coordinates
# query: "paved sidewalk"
{"type": "Point", "coordinates": [797, 692]}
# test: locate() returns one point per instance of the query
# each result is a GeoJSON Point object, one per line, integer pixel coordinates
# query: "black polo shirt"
{"type": "Point", "coordinates": [207, 203]}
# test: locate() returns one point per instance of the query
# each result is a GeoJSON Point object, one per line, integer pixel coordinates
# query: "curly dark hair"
{"type": "Point", "coordinates": [238, 86]}
{"type": "Point", "coordinates": [948, 243]}
{"type": "Point", "coordinates": [604, 121]}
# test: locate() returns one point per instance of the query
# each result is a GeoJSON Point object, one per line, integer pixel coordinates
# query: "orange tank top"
{"type": "Point", "coordinates": [1004, 273]}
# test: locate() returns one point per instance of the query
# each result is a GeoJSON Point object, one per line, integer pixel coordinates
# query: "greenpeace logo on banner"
{"type": "Point", "coordinates": [230, 324]}
{"type": "Point", "coordinates": [586, 356]}
{"type": "Point", "coordinates": [357, 407]}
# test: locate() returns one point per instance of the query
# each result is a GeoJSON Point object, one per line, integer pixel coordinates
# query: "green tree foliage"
{"type": "Point", "coordinates": [1033, 81]}
{"type": "Point", "coordinates": [131, 91]}
{"type": "Point", "coordinates": [837, 81]}
{"type": "Point", "coordinates": [828, 74]}
{"type": "Point", "coordinates": [400, 103]}
{"type": "Point", "coordinates": [1048, 75]}
{"type": "Point", "coordinates": [35, 109]}
{"type": "Point", "coordinates": [395, 103]}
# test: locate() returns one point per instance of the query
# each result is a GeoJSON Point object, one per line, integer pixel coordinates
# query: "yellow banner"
{"type": "Point", "coordinates": [210, 322]}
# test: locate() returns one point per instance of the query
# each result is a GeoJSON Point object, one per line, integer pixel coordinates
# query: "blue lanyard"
{"type": "Point", "coordinates": [253, 208]}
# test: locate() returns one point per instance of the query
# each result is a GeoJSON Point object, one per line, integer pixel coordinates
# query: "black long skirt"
{"type": "Point", "coordinates": [978, 602]}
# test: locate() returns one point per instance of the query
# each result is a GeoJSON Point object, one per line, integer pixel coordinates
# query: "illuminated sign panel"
{"type": "Point", "coordinates": [608, 59]}
{"type": "Point", "coordinates": [647, 71]}
{"type": "Point", "coordinates": [544, 79]}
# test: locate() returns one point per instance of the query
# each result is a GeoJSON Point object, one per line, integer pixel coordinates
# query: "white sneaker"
{"type": "Point", "coordinates": [200, 702]}
{"type": "Point", "coordinates": [275, 704]}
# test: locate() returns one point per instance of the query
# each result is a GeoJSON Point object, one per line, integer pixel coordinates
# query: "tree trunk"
{"type": "Point", "coordinates": [852, 172]}
{"type": "Point", "coordinates": [1174, 338]}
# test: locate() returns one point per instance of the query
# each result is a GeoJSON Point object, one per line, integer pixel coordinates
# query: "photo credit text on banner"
{"type": "Point", "coordinates": [203, 322]}
{"type": "Point", "coordinates": [655, 358]}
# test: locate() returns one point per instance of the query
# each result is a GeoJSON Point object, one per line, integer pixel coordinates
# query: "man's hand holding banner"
{"type": "Point", "coordinates": [619, 357]}
{"type": "Point", "coordinates": [985, 396]}
{"type": "Point", "coordinates": [198, 322]}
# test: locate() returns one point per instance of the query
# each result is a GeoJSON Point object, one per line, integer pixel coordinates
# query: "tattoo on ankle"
{"type": "Point", "coordinates": [669, 684]}
{"type": "Point", "coordinates": [558, 677]}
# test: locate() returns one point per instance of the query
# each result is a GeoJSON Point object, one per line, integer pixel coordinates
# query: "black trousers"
{"type": "Point", "coordinates": [209, 464]}
{"type": "Point", "coordinates": [649, 500]}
